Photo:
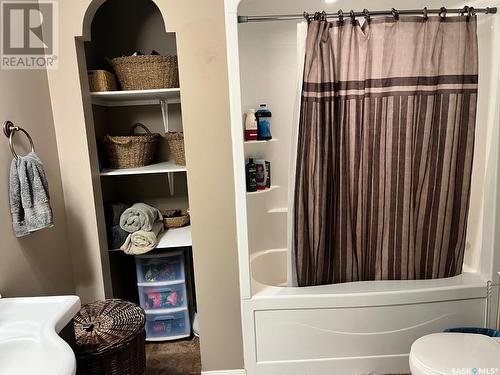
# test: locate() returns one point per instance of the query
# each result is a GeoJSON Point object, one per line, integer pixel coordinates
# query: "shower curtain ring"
{"type": "Point", "coordinates": [341, 16]}
{"type": "Point", "coordinates": [442, 13]}
{"type": "Point", "coordinates": [471, 12]}
{"type": "Point", "coordinates": [323, 16]}
{"type": "Point", "coordinates": [353, 17]}
{"type": "Point", "coordinates": [366, 14]}
{"type": "Point", "coordinates": [307, 17]}
{"type": "Point", "coordinates": [426, 16]}
{"type": "Point", "coordinates": [395, 13]}
{"type": "Point", "coordinates": [464, 10]}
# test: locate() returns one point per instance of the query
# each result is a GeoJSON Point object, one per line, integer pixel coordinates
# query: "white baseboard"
{"type": "Point", "coordinates": [225, 372]}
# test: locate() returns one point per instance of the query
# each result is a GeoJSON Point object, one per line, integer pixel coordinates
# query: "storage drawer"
{"type": "Point", "coordinates": [160, 268]}
{"type": "Point", "coordinates": [163, 297]}
{"type": "Point", "coordinates": [168, 326]}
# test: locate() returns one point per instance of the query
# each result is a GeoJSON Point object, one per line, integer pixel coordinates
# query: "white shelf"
{"type": "Point", "coordinates": [168, 310]}
{"type": "Point", "coordinates": [278, 210]}
{"type": "Point", "coordinates": [135, 97]}
{"type": "Point", "coordinates": [162, 167]}
{"type": "Point", "coordinates": [260, 142]}
{"type": "Point", "coordinates": [262, 191]}
{"type": "Point", "coordinates": [177, 237]}
{"type": "Point", "coordinates": [162, 283]}
{"type": "Point", "coordinates": [167, 338]}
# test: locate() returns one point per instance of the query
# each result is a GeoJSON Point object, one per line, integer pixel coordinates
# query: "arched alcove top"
{"type": "Point", "coordinates": [123, 27]}
{"type": "Point", "coordinates": [94, 7]}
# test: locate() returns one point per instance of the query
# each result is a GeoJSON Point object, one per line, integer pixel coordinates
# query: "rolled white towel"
{"type": "Point", "coordinates": [141, 242]}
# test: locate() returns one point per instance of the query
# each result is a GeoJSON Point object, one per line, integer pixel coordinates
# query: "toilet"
{"type": "Point", "coordinates": [455, 354]}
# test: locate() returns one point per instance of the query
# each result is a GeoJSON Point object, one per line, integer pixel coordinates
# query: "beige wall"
{"type": "Point", "coordinates": [201, 46]}
{"type": "Point", "coordinates": [38, 264]}
{"type": "Point", "coordinates": [205, 108]}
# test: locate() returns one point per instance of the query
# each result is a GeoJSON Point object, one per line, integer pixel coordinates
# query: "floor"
{"type": "Point", "coordinates": [173, 358]}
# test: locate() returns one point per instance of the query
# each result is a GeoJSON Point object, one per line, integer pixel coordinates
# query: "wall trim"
{"type": "Point", "coordinates": [225, 372]}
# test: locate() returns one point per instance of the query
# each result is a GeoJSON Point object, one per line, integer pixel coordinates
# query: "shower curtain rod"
{"type": "Point", "coordinates": [365, 13]}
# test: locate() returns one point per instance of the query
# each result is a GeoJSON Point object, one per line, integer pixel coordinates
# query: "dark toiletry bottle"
{"type": "Point", "coordinates": [251, 174]}
{"type": "Point", "coordinates": [263, 123]}
{"type": "Point", "coordinates": [268, 174]}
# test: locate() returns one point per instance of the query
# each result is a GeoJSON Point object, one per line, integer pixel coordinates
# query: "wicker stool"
{"type": "Point", "coordinates": [110, 338]}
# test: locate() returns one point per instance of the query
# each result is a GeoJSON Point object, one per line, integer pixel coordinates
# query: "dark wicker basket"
{"type": "Point", "coordinates": [175, 218]}
{"type": "Point", "coordinates": [110, 338]}
{"type": "Point", "coordinates": [101, 80]}
{"type": "Point", "coordinates": [134, 150]}
{"type": "Point", "coordinates": [146, 72]}
{"type": "Point", "coordinates": [176, 144]}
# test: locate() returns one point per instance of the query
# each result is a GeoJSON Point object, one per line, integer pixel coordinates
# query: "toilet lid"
{"type": "Point", "coordinates": [457, 353]}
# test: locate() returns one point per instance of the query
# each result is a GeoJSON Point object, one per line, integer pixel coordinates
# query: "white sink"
{"type": "Point", "coordinates": [29, 340]}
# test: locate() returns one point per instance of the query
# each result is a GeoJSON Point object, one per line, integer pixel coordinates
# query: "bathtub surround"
{"type": "Point", "coordinates": [345, 328]}
{"type": "Point", "coordinates": [29, 195]}
{"type": "Point", "coordinates": [392, 105]}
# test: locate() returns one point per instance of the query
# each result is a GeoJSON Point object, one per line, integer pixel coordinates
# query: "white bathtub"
{"type": "Point", "coordinates": [351, 328]}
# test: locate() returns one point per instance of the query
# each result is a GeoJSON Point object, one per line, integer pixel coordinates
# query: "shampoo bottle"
{"type": "Point", "coordinates": [251, 175]}
{"type": "Point", "coordinates": [250, 126]}
{"type": "Point", "coordinates": [263, 123]}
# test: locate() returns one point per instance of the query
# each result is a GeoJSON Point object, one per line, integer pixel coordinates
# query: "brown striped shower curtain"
{"type": "Point", "coordinates": [384, 152]}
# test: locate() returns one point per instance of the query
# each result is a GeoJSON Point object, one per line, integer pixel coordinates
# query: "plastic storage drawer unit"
{"type": "Point", "coordinates": [160, 268]}
{"type": "Point", "coordinates": [163, 297]}
{"type": "Point", "coordinates": [168, 326]}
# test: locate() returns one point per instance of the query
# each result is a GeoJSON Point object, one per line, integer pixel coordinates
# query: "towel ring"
{"type": "Point", "coordinates": [9, 130]}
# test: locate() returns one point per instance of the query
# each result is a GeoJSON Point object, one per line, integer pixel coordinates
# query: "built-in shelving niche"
{"type": "Point", "coordinates": [119, 28]}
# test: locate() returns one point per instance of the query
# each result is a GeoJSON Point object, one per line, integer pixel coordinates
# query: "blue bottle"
{"type": "Point", "coordinates": [263, 123]}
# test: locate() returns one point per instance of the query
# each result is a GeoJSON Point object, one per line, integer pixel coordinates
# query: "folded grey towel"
{"type": "Point", "coordinates": [29, 195]}
{"type": "Point", "coordinates": [142, 241]}
{"type": "Point", "coordinates": [139, 217]}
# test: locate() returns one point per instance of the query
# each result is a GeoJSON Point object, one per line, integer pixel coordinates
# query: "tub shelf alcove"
{"type": "Point", "coordinates": [351, 328]}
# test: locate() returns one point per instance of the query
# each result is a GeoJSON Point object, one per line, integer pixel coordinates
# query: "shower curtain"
{"type": "Point", "coordinates": [384, 149]}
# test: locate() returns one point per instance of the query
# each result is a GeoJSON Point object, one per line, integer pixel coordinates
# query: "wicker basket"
{"type": "Point", "coordinates": [175, 218]}
{"type": "Point", "coordinates": [146, 72]}
{"type": "Point", "coordinates": [134, 150]}
{"type": "Point", "coordinates": [101, 80]}
{"type": "Point", "coordinates": [110, 338]}
{"type": "Point", "coordinates": [176, 146]}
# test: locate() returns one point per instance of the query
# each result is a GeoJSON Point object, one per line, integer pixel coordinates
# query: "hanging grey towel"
{"type": "Point", "coordinates": [139, 217]}
{"type": "Point", "coordinates": [29, 195]}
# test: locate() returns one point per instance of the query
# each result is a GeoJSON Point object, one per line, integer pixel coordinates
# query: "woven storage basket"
{"type": "Point", "coordinates": [101, 80]}
{"type": "Point", "coordinates": [134, 150]}
{"type": "Point", "coordinates": [175, 218]}
{"type": "Point", "coordinates": [146, 72]}
{"type": "Point", "coordinates": [176, 146]}
{"type": "Point", "coordinates": [110, 338]}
